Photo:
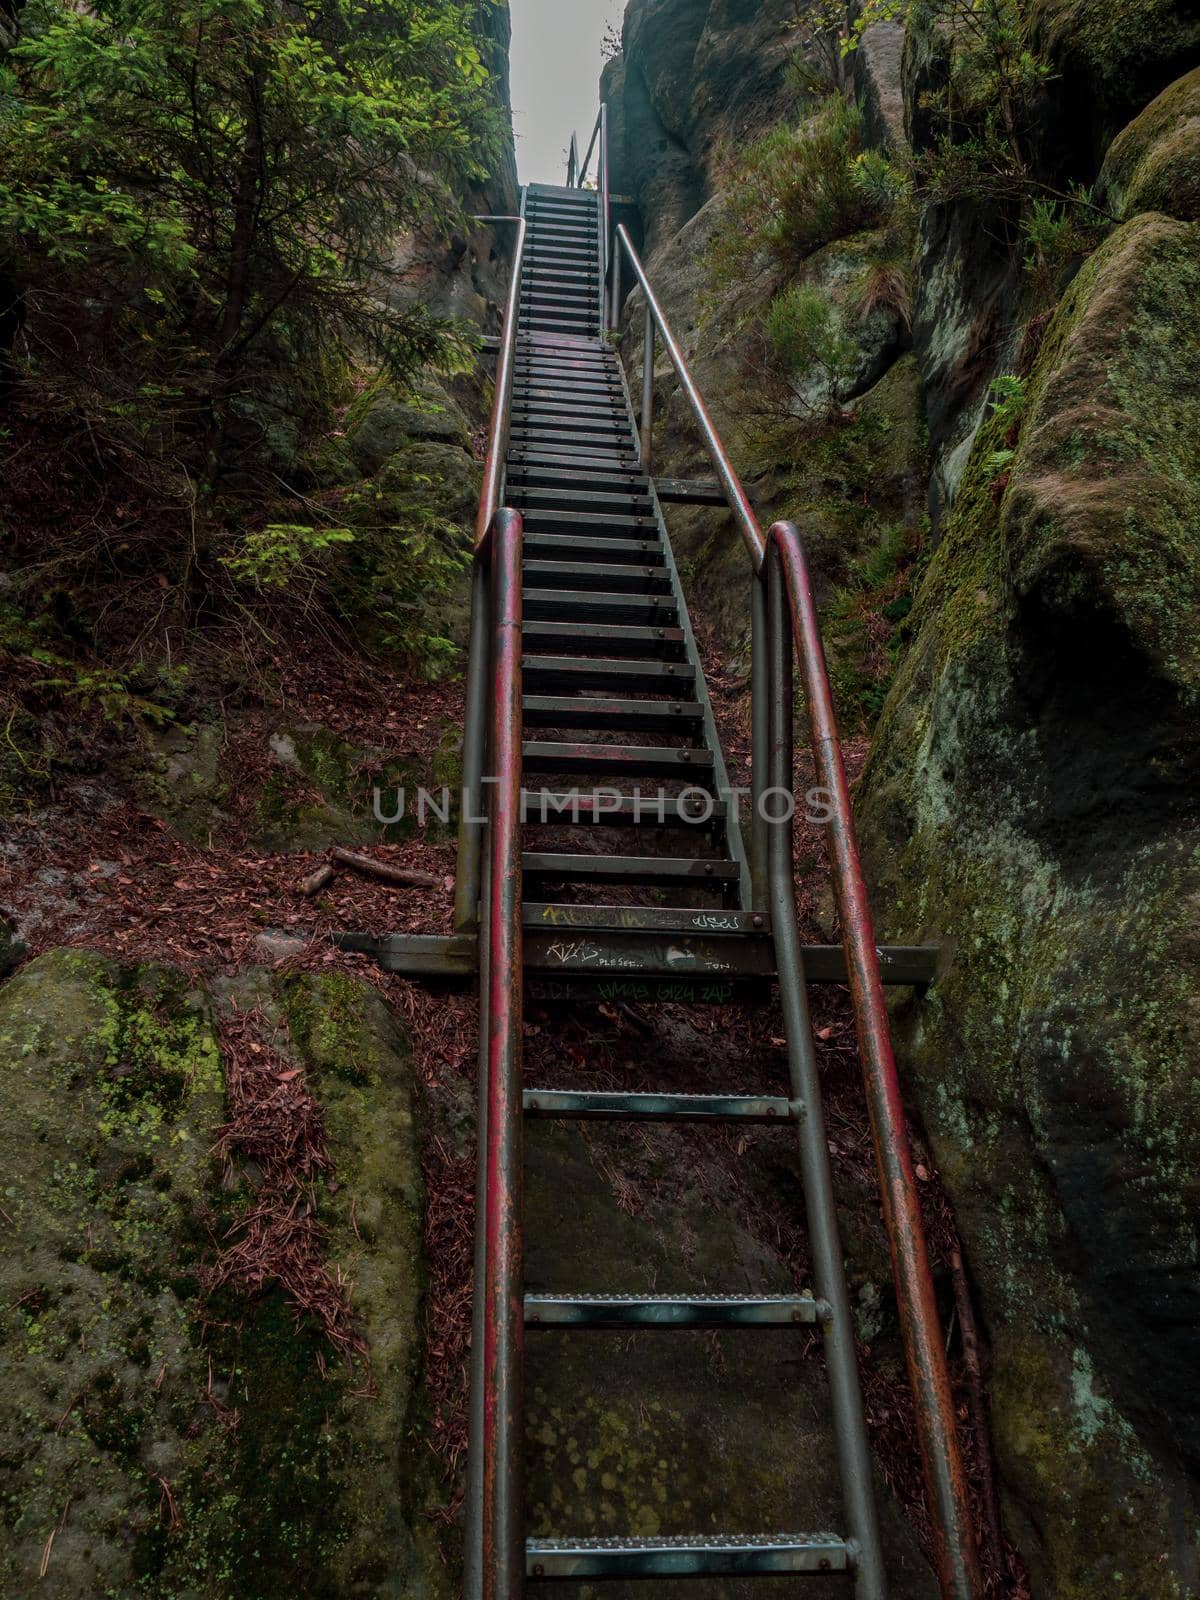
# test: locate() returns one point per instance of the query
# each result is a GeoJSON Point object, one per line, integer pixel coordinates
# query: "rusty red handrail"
{"type": "Point", "coordinates": [470, 823]}
{"type": "Point", "coordinates": [956, 1558]}
{"type": "Point", "coordinates": [496, 1541]}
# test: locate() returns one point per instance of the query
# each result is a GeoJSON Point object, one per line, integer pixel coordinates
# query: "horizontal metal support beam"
{"type": "Point", "coordinates": [593, 1106]}
{"type": "Point", "coordinates": [631, 953]}
{"type": "Point", "coordinates": [708, 1556]}
{"type": "Point", "coordinates": [666, 1312]}
{"type": "Point", "coordinates": [690, 491]}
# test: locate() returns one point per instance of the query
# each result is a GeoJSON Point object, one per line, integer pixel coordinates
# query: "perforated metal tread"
{"type": "Point", "coordinates": [748, 1555]}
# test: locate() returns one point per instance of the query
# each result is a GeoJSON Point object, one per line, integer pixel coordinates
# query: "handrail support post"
{"type": "Point", "coordinates": [647, 423]}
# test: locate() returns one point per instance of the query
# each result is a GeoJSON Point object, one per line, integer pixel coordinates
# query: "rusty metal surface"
{"type": "Point", "coordinates": [470, 834]}
{"type": "Point", "coordinates": [496, 1563]}
{"type": "Point", "coordinates": [957, 1561]}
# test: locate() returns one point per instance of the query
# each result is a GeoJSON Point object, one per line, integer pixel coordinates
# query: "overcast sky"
{"type": "Point", "coordinates": [556, 65]}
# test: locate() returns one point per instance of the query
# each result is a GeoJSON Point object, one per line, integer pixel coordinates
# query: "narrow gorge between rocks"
{"type": "Point", "coordinates": [599, 867]}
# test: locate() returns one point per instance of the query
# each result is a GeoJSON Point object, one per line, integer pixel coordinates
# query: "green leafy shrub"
{"type": "Point", "coordinates": [804, 334]}
{"type": "Point", "coordinates": [282, 552]}
{"type": "Point", "coordinates": [793, 191]}
{"type": "Point", "coordinates": [1058, 236]}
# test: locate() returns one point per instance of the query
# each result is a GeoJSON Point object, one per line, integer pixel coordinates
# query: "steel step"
{"type": "Point", "coordinates": [603, 640]}
{"type": "Point", "coordinates": [616, 675]}
{"type": "Point", "coordinates": [692, 764]}
{"type": "Point", "coordinates": [644, 871]}
{"type": "Point", "coordinates": [594, 405]}
{"type": "Point", "coordinates": [642, 716]}
{"type": "Point", "coordinates": [577, 403]}
{"type": "Point", "coordinates": [648, 919]}
{"type": "Point", "coordinates": [584, 605]}
{"type": "Point", "coordinates": [544, 412]}
{"type": "Point", "coordinates": [584, 324]}
{"type": "Point", "coordinates": [544, 1311]}
{"type": "Point", "coordinates": [541, 807]}
{"type": "Point", "coordinates": [545, 457]}
{"type": "Point", "coordinates": [549, 247]}
{"type": "Point", "coordinates": [599, 392]}
{"type": "Point", "coordinates": [562, 344]}
{"type": "Point", "coordinates": [705, 1556]}
{"type": "Point", "coordinates": [591, 1106]}
{"type": "Point", "coordinates": [558, 546]}
{"type": "Point", "coordinates": [630, 503]}
{"type": "Point", "coordinates": [565, 359]}
{"type": "Point", "coordinates": [604, 438]}
{"type": "Point", "coordinates": [615, 476]}
{"type": "Point", "coordinates": [570, 297]}
{"type": "Point", "coordinates": [609, 436]}
{"type": "Point", "coordinates": [578, 575]}
{"type": "Point", "coordinates": [542, 270]}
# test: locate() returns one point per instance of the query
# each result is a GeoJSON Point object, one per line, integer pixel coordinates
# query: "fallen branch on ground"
{"type": "Point", "coordinates": [405, 877]}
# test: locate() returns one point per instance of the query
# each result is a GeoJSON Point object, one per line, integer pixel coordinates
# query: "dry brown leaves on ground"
{"type": "Point", "coordinates": [275, 1124]}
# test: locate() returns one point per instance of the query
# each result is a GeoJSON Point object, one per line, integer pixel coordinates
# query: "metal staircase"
{"type": "Point", "coordinates": [611, 860]}
{"type": "Point", "coordinates": [623, 770]}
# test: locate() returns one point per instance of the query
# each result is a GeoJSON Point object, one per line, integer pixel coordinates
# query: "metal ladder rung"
{"type": "Point", "coordinates": [582, 1106]}
{"type": "Point", "coordinates": [704, 1556]}
{"type": "Point", "coordinates": [673, 1311]}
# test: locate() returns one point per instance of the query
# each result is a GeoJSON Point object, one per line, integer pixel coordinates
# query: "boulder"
{"type": "Point", "coordinates": [879, 85]}
{"type": "Point", "coordinates": [846, 460]}
{"type": "Point", "coordinates": [1154, 164]}
{"type": "Point", "coordinates": [152, 1443]}
{"type": "Point", "coordinates": [383, 422]}
{"type": "Point", "coordinates": [1114, 59]}
{"type": "Point", "coordinates": [1030, 802]}
{"type": "Point", "coordinates": [696, 79]}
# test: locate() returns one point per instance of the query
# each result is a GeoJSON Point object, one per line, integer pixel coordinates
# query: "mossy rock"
{"type": "Point", "coordinates": [112, 1089]}
{"type": "Point", "coordinates": [382, 422]}
{"type": "Point", "coordinates": [178, 777]}
{"type": "Point", "coordinates": [445, 476]}
{"type": "Point", "coordinates": [1027, 803]}
{"type": "Point", "coordinates": [191, 1451]}
{"type": "Point", "coordinates": [346, 778]}
{"type": "Point", "coordinates": [1119, 56]}
{"type": "Point", "coordinates": [1154, 164]}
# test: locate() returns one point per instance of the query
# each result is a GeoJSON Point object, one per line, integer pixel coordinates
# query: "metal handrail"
{"type": "Point", "coordinates": [587, 160]}
{"type": "Point", "coordinates": [735, 494]}
{"type": "Point", "coordinates": [495, 1554]}
{"type": "Point", "coordinates": [495, 1542]}
{"type": "Point", "coordinates": [470, 823]}
{"type": "Point", "coordinates": [576, 178]}
{"type": "Point", "coordinates": [790, 591]}
{"type": "Point", "coordinates": [778, 563]}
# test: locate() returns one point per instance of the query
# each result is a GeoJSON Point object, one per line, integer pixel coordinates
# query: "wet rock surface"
{"type": "Point", "coordinates": [156, 1442]}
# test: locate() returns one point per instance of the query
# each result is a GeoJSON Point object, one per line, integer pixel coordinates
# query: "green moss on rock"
{"type": "Point", "coordinates": [1024, 803]}
{"type": "Point", "coordinates": [1154, 164]}
{"type": "Point", "coordinates": [167, 1463]}
{"type": "Point", "coordinates": [1125, 53]}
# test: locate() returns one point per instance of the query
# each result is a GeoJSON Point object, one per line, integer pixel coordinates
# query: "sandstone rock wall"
{"type": "Point", "coordinates": [1031, 797]}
